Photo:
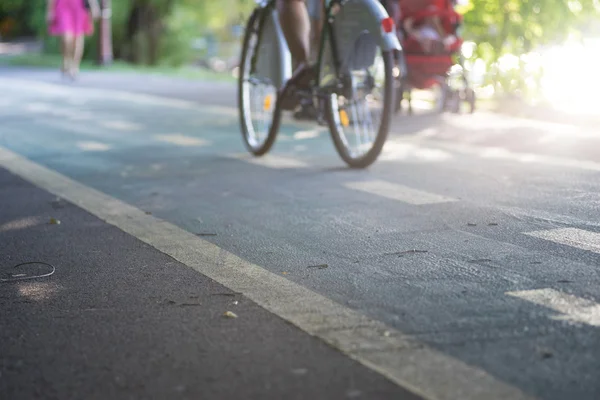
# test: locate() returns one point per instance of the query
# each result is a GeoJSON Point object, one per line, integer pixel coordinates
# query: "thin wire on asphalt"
{"type": "Point", "coordinates": [22, 278]}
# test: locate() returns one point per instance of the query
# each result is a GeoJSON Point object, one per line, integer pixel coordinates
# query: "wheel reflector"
{"type": "Point", "coordinates": [267, 103]}
{"type": "Point", "coordinates": [344, 118]}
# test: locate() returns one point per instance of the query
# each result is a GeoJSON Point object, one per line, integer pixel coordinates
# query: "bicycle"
{"type": "Point", "coordinates": [354, 72]}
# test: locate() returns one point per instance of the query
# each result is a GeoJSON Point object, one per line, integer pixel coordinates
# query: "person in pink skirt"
{"type": "Point", "coordinates": [72, 20]}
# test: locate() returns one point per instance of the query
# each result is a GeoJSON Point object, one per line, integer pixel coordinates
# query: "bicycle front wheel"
{"type": "Point", "coordinates": [359, 114]}
{"type": "Point", "coordinates": [257, 93]}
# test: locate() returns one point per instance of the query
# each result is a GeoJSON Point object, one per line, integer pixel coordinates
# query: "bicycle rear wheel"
{"type": "Point", "coordinates": [257, 93]}
{"type": "Point", "coordinates": [359, 114]}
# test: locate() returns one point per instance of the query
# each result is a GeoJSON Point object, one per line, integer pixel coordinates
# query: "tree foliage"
{"type": "Point", "coordinates": [520, 26]}
{"type": "Point", "coordinates": [144, 31]}
{"type": "Point", "coordinates": [149, 31]}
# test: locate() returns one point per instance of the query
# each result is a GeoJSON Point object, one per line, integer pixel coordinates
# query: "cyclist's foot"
{"type": "Point", "coordinates": [300, 79]}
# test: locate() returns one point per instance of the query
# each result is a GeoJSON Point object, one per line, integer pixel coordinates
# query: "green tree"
{"type": "Point", "coordinates": [517, 27]}
{"type": "Point", "coordinates": [144, 31]}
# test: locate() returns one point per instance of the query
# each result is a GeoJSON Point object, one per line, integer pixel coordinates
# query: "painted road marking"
{"type": "Point", "coordinates": [37, 107]}
{"type": "Point", "coordinates": [572, 308]}
{"type": "Point", "coordinates": [22, 223]}
{"type": "Point", "coordinates": [398, 357]}
{"type": "Point", "coordinates": [308, 134]}
{"type": "Point", "coordinates": [122, 125]}
{"type": "Point", "coordinates": [182, 140]}
{"type": "Point", "coordinates": [93, 146]}
{"type": "Point", "coordinates": [423, 137]}
{"type": "Point", "coordinates": [486, 121]}
{"type": "Point", "coordinates": [54, 110]}
{"type": "Point", "coordinates": [270, 161]}
{"type": "Point", "coordinates": [84, 94]}
{"type": "Point", "coordinates": [398, 192]}
{"type": "Point", "coordinates": [78, 94]}
{"type": "Point", "coordinates": [499, 153]}
{"type": "Point", "coordinates": [400, 150]}
{"type": "Point", "coordinates": [578, 238]}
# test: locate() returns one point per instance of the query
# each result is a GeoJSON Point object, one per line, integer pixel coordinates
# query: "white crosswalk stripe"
{"type": "Point", "coordinates": [93, 146]}
{"type": "Point", "coordinates": [270, 161]}
{"type": "Point", "coordinates": [571, 308]}
{"type": "Point", "coordinates": [181, 140]}
{"type": "Point", "coordinates": [578, 238]}
{"type": "Point", "coordinates": [398, 192]}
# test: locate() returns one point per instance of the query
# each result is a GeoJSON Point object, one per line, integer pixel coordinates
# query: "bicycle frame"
{"type": "Point", "coordinates": [371, 16]}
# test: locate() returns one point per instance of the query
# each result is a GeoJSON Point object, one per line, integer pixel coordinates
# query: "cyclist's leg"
{"type": "Point", "coordinates": [307, 109]}
{"type": "Point", "coordinates": [295, 23]}
{"type": "Point", "coordinates": [316, 25]}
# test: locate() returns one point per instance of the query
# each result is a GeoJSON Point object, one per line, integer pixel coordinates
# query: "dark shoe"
{"type": "Point", "coordinates": [300, 79]}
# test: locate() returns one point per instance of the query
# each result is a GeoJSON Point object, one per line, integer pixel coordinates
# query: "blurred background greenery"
{"type": "Point", "coordinates": [534, 49]}
{"type": "Point", "coordinates": [145, 32]}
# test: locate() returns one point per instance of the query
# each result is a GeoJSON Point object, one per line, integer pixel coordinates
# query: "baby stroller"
{"type": "Point", "coordinates": [427, 30]}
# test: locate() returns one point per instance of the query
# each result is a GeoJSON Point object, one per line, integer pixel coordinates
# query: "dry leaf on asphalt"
{"type": "Point", "coordinates": [229, 314]}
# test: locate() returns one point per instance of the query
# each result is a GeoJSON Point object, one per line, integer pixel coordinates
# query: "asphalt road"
{"type": "Point", "coordinates": [476, 235]}
{"type": "Point", "coordinates": [121, 320]}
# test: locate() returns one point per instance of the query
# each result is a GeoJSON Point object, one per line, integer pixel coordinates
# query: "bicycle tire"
{"type": "Point", "coordinates": [386, 116]}
{"type": "Point", "coordinates": [264, 148]}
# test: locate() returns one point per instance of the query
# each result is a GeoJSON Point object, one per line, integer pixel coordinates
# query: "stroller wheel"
{"type": "Point", "coordinates": [470, 99]}
{"type": "Point", "coordinates": [399, 81]}
{"type": "Point", "coordinates": [399, 97]}
{"type": "Point", "coordinates": [443, 95]}
{"type": "Point", "coordinates": [454, 101]}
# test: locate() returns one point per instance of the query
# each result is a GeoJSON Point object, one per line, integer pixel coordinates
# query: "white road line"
{"type": "Point", "coordinates": [572, 308]}
{"type": "Point", "coordinates": [182, 140]}
{"type": "Point", "coordinates": [499, 153]}
{"type": "Point", "coordinates": [422, 137]}
{"type": "Point", "coordinates": [121, 125]}
{"type": "Point", "coordinates": [82, 94]}
{"type": "Point", "coordinates": [86, 93]}
{"type": "Point", "coordinates": [52, 110]}
{"type": "Point", "coordinates": [270, 161]}
{"type": "Point", "coordinates": [398, 150]}
{"type": "Point", "coordinates": [398, 192]}
{"type": "Point", "coordinates": [308, 134]}
{"type": "Point", "coordinates": [485, 121]}
{"type": "Point", "coordinates": [403, 360]}
{"type": "Point", "coordinates": [579, 238]}
{"type": "Point", "coordinates": [21, 223]}
{"type": "Point", "coordinates": [547, 216]}
{"type": "Point", "coordinates": [93, 146]}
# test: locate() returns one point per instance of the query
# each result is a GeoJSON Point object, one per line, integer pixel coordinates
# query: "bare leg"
{"type": "Point", "coordinates": [295, 23]}
{"type": "Point", "coordinates": [77, 53]}
{"type": "Point", "coordinates": [63, 48]}
{"type": "Point", "coordinates": [67, 51]}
